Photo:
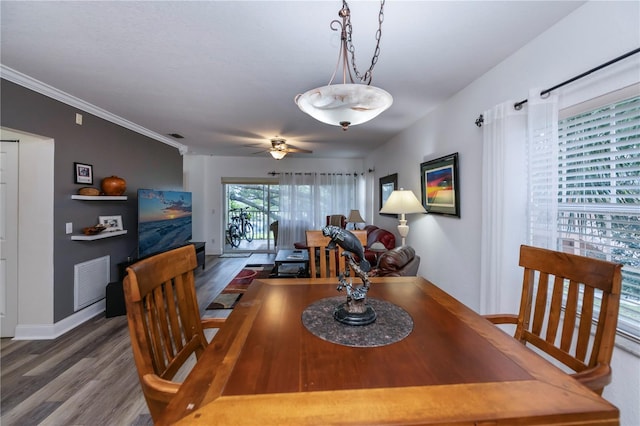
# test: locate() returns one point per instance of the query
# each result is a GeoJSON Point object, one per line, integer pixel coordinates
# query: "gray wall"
{"type": "Point", "coordinates": [112, 150]}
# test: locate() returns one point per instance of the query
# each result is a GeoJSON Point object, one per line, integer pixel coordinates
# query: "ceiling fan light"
{"type": "Point", "coordinates": [278, 155]}
{"type": "Point", "coordinates": [338, 104]}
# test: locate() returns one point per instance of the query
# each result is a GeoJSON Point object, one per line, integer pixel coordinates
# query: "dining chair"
{"type": "Point", "coordinates": [328, 262]}
{"type": "Point", "coordinates": [569, 310]}
{"type": "Point", "coordinates": [164, 321]}
{"type": "Point", "coordinates": [338, 220]}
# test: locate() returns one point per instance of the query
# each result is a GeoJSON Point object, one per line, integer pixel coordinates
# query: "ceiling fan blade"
{"type": "Point", "coordinates": [294, 149]}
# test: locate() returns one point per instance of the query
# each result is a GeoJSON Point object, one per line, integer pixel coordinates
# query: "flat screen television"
{"type": "Point", "coordinates": [164, 220]}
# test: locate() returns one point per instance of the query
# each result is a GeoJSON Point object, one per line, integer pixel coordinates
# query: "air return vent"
{"type": "Point", "coordinates": [90, 280]}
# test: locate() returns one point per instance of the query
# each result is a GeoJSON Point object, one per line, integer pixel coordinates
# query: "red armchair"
{"type": "Point", "coordinates": [375, 234]}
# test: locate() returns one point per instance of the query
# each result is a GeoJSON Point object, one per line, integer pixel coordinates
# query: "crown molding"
{"type": "Point", "coordinates": [44, 89]}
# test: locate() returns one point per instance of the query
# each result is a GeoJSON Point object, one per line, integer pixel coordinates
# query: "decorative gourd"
{"type": "Point", "coordinates": [113, 185]}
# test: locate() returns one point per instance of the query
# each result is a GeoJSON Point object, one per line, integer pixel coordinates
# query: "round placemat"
{"type": "Point", "coordinates": [391, 325]}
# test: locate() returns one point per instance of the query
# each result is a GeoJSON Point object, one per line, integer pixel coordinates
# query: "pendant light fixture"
{"type": "Point", "coordinates": [347, 104]}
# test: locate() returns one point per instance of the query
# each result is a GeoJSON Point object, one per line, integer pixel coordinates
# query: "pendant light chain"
{"type": "Point", "coordinates": [366, 78]}
{"type": "Point", "coordinates": [348, 103]}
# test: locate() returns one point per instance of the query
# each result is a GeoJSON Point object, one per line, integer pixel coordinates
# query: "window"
{"type": "Point", "coordinates": [598, 181]}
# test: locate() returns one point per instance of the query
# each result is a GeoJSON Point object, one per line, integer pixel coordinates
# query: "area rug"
{"type": "Point", "coordinates": [224, 255]}
{"type": "Point", "coordinates": [228, 298]}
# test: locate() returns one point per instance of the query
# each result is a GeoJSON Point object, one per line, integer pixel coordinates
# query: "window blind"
{"type": "Point", "coordinates": [598, 185]}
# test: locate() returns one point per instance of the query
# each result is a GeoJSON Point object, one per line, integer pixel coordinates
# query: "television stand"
{"type": "Point", "coordinates": [200, 252]}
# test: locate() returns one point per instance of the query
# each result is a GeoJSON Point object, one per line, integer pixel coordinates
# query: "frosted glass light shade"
{"type": "Point", "coordinates": [344, 104]}
{"type": "Point", "coordinates": [278, 155]}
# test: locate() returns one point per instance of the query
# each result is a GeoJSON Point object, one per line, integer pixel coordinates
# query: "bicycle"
{"type": "Point", "coordinates": [240, 227]}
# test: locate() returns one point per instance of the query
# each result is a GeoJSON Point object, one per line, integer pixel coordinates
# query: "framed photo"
{"type": "Point", "coordinates": [113, 223]}
{"type": "Point", "coordinates": [83, 173]}
{"type": "Point", "coordinates": [388, 184]}
{"type": "Point", "coordinates": [440, 185]}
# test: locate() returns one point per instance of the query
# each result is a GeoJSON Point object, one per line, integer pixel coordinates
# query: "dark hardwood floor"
{"type": "Point", "coordinates": [87, 376]}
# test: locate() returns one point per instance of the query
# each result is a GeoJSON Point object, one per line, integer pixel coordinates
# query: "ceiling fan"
{"type": "Point", "coordinates": [279, 148]}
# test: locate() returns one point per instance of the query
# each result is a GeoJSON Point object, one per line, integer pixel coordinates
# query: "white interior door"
{"type": "Point", "coordinates": [8, 237]}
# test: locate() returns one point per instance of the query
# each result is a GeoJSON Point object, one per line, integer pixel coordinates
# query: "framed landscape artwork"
{"type": "Point", "coordinates": [440, 185]}
{"type": "Point", "coordinates": [388, 184]}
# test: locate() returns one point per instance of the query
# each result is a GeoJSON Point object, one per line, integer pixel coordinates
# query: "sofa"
{"type": "Point", "coordinates": [398, 262]}
{"type": "Point", "coordinates": [375, 234]}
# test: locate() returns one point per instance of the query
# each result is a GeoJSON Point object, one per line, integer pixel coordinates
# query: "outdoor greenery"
{"type": "Point", "coordinates": [599, 191]}
{"type": "Point", "coordinates": [262, 201]}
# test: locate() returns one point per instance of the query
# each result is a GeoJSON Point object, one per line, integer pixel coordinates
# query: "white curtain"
{"type": "Point", "coordinates": [542, 167]}
{"type": "Point", "coordinates": [306, 199]}
{"type": "Point", "coordinates": [505, 189]}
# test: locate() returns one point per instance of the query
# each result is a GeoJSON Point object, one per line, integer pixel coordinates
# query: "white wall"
{"type": "Point", "coordinates": [203, 176]}
{"type": "Point", "coordinates": [450, 247]}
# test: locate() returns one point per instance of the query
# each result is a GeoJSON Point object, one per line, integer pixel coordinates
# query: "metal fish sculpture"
{"type": "Point", "coordinates": [348, 242]}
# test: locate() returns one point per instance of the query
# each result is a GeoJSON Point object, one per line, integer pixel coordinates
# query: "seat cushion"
{"type": "Point", "coordinates": [401, 261]}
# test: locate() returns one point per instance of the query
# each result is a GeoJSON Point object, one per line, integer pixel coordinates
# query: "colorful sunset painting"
{"type": "Point", "coordinates": [440, 186]}
{"type": "Point", "coordinates": [440, 192]}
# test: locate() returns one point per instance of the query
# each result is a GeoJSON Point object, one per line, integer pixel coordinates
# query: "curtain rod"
{"type": "Point", "coordinates": [274, 173]}
{"type": "Point", "coordinates": [518, 105]}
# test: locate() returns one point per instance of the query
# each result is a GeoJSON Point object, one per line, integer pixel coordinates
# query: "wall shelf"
{"type": "Point", "coordinates": [98, 236]}
{"type": "Point", "coordinates": [99, 197]}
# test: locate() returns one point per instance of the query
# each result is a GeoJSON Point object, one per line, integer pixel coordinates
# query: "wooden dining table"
{"type": "Point", "coordinates": [264, 367]}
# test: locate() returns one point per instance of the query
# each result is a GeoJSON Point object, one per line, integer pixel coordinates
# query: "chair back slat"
{"type": "Point", "coordinates": [318, 243]}
{"type": "Point", "coordinates": [555, 310]}
{"type": "Point", "coordinates": [164, 345]}
{"type": "Point", "coordinates": [586, 318]}
{"type": "Point", "coordinates": [569, 320]}
{"type": "Point", "coordinates": [566, 294]}
{"type": "Point", "coordinates": [601, 337]}
{"type": "Point", "coordinates": [540, 310]}
{"type": "Point", "coordinates": [172, 315]}
{"type": "Point", "coordinates": [164, 319]}
{"type": "Point", "coordinates": [154, 342]}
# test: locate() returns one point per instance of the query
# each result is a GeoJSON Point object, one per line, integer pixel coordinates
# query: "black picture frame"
{"type": "Point", "coordinates": [388, 184]}
{"type": "Point", "coordinates": [83, 173]}
{"type": "Point", "coordinates": [441, 185]}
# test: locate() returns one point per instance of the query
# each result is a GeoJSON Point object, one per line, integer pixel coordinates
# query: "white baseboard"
{"type": "Point", "coordinates": [52, 331]}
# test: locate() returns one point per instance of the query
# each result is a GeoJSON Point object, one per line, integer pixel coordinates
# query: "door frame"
{"type": "Point", "coordinates": [9, 151]}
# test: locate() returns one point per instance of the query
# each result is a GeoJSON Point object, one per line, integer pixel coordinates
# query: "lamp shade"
{"type": "Point", "coordinates": [402, 201]}
{"type": "Point", "coordinates": [354, 217]}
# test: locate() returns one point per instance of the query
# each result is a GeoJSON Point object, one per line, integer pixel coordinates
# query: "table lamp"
{"type": "Point", "coordinates": [354, 217]}
{"type": "Point", "coordinates": [402, 202]}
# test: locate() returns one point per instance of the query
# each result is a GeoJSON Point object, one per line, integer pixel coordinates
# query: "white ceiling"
{"type": "Point", "coordinates": [224, 73]}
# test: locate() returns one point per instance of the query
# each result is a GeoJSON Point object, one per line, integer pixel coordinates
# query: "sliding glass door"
{"type": "Point", "coordinates": [251, 216]}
